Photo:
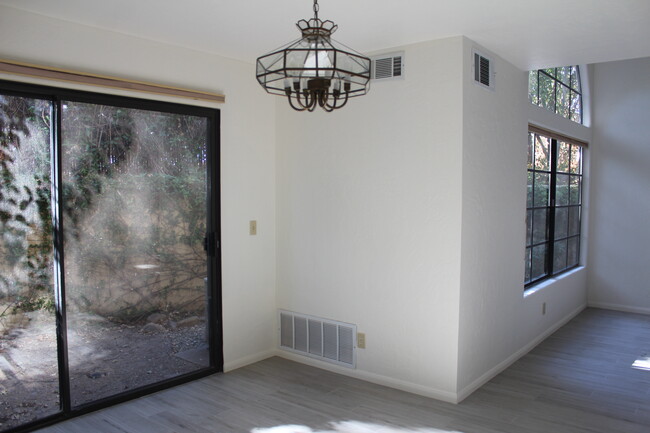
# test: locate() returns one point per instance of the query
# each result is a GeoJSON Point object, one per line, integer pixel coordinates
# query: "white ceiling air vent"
{"type": "Point", "coordinates": [386, 66]}
{"type": "Point", "coordinates": [483, 70]}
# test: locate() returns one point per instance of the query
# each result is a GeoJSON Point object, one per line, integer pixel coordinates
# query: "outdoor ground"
{"type": "Point", "coordinates": [105, 359]}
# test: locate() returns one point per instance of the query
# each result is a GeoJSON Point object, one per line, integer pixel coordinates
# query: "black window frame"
{"type": "Point", "coordinates": [551, 208]}
{"type": "Point", "coordinates": [573, 87]}
{"type": "Point", "coordinates": [56, 96]}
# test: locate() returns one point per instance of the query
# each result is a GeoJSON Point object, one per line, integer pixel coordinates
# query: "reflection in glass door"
{"type": "Point", "coordinates": [29, 383]}
{"type": "Point", "coordinates": [134, 188]}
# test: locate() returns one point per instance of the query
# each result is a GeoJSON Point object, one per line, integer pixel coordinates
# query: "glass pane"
{"type": "Point", "coordinates": [563, 101]}
{"type": "Point", "coordinates": [267, 68]}
{"type": "Point", "coordinates": [531, 151]}
{"type": "Point", "coordinates": [575, 79]}
{"type": "Point", "coordinates": [532, 87]}
{"type": "Point", "coordinates": [529, 227]}
{"type": "Point", "coordinates": [564, 74]}
{"type": "Point", "coordinates": [574, 191]}
{"type": "Point", "coordinates": [574, 220]}
{"type": "Point", "coordinates": [529, 187]}
{"type": "Point", "coordinates": [550, 71]}
{"type": "Point", "coordinates": [539, 225]}
{"type": "Point", "coordinates": [542, 188]}
{"type": "Point", "coordinates": [538, 265]}
{"type": "Point", "coordinates": [576, 107]}
{"type": "Point", "coordinates": [562, 190]}
{"type": "Point", "coordinates": [547, 92]}
{"type": "Point", "coordinates": [574, 252]}
{"type": "Point", "coordinates": [542, 153]}
{"type": "Point", "coordinates": [528, 268]}
{"type": "Point", "coordinates": [559, 255]}
{"type": "Point", "coordinates": [135, 196]}
{"type": "Point", "coordinates": [576, 159]}
{"type": "Point", "coordinates": [563, 156]}
{"type": "Point", "coordinates": [561, 222]}
{"type": "Point", "coordinates": [29, 383]}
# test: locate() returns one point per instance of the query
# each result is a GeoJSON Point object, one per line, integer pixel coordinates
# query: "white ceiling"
{"type": "Point", "coordinates": [529, 34]}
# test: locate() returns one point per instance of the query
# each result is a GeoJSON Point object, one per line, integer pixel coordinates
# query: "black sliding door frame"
{"type": "Point", "coordinates": [59, 273]}
{"type": "Point", "coordinates": [212, 241]}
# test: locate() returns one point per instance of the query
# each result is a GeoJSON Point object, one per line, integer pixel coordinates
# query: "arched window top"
{"type": "Point", "coordinates": [557, 90]}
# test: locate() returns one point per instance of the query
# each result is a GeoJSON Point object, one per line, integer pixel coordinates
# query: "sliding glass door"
{"type": "Point", "coordinates": [125, 253]}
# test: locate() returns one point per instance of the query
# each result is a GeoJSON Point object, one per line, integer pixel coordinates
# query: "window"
{"type": "Point", "coordinates": [557, 90]}
{"type": "Point", "coordinates": [554, 205]}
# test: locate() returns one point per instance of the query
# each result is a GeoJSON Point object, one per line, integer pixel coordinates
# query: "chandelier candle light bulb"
{"type": "Point", "coordinates": [311, 70]}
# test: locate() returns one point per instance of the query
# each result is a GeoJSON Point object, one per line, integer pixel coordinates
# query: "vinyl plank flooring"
{"type": "Point", "coordinates": [579, 380]}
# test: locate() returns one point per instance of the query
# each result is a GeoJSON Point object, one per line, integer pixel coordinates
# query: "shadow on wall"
{"type": "Point", "coordinates": [348, 427]}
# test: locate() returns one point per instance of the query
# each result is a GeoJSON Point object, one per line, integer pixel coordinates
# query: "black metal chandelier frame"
{"type": "Point", "coordinates": [315, 70]}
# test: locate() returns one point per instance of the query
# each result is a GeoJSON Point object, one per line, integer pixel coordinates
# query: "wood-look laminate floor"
{"type": "Point", "coordinates": [579, 380]}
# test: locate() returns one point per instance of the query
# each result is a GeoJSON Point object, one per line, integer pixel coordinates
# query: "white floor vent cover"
{"type": "Point", "coordinates": [327, 340]}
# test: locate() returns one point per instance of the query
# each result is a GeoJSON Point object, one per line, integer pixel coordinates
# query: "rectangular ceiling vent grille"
{"type": "Point", "coordinates": [388, 66]}
{"type": "Point", "coordinates": [324, 339]}
{"type": "Point", "coordinates": [483, 70]}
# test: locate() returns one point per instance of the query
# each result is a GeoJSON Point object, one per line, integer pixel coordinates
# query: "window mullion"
{"type": "Point", "coordinates": [555, 81]}
{"type": "Point", "coordinates": [551, 213]}
{"type": "Point", "coordinates": [59, 273]}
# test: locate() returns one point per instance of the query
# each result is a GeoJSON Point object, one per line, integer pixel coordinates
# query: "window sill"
{"type": "Point", "coordinates": [548, 282]}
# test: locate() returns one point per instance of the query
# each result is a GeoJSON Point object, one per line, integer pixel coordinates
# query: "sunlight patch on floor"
{"type": "Point", "coordinates": [348, 427]}
{"type": "Point", "coordinates": [643, 363]}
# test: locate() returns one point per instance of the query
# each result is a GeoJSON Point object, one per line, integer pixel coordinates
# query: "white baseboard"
{"type": "Point", "coordinates": [485, 378]}
{"type": "Point", "coordinates": [246, 360]}
{"type": "Point", "coordinates": [378, 379]}
{"type": "Point", "coordinates": [413, 388]}
{"type": "Point", "coordinates": [618, 307]}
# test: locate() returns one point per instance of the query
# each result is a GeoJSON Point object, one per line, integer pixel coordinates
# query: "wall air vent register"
{"type": "Point", "coordinates": [483, 70]}
{"type": "Point", "coordinates": [386, 66]}
{"type": "Point", "coordinates": [323, 339]}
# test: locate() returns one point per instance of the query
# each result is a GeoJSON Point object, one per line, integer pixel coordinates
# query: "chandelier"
{"type": "Point", "coordinates": [315, 70]}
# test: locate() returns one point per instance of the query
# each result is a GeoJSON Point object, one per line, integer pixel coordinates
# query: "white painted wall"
{"type": "Point", "coordinates": [497, 323]}
{"type": "Point", "coordinates": [368, 219]}
{"type": "Point", "coordinates": [368, 216]}
{"type": "Point", "coordinates": [403, 213]}
{"type": "Point", "coordinates": [619, 271]}
{"type": "Point", "coordinates": [247, 151]}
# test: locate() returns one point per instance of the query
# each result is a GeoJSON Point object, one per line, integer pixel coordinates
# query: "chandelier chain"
{"type": "Point", "coordinates": [316, 9]}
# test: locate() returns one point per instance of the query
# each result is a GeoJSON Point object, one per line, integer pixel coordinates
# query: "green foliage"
{"type": "Point", "coordinates": [39, 255]}
{"type": "Point", "coordinates": [153, 219]}
{"type": "Point", "coordinates": [133, 195]}
{"type": "Point", "coordinates": [13, 123]}
{"type": "Point", "coordinates": [33, 301]}
{"type": "Point", "coordinates": [557, 90]}
{"type": "Point", "coordinates": [25, 224]}
{"type": "Point", "coordinates": [134, 188]}
{"type": "Point", "coordinates": [14, 245]}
